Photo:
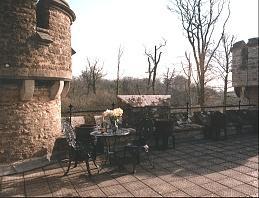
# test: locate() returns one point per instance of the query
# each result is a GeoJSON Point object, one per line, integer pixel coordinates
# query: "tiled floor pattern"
{"type": "Point", "coordinates": [226, 168]}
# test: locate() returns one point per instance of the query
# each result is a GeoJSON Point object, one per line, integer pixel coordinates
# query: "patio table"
{"type": "Point", "coordinates": [112, 140]}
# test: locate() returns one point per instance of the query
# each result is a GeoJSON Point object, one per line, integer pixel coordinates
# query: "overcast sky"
{"type": "Point", "coordinates": [103, 25]}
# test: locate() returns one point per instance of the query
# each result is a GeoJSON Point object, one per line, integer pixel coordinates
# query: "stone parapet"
{"type": "Point", "coordinates": [36, 74]}
{"type": "Point", "coordinates": [64, 7]}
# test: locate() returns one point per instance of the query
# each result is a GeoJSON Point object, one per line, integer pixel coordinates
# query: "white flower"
{"type": "Point", "coordinates": [108, 113]}
{"type": "Point", "coordinates": [115, 113]}
{"type": "Point", "coordinates": [146, 147]}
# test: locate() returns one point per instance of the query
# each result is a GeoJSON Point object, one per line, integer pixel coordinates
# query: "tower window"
{"type": "Point", "coordinates": [42, 14]}
{"type": "Point", "coordinates": [244, 55]}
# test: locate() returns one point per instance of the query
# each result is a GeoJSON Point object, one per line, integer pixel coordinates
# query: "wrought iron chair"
{"type": "Point", "coordinates": [217, 123]}
{"type": "Point", "coordinates": [144, 133]}
{"type": "Point", "coordinates": [79, 150]}
{"type": "Point", "coordinates": [164, 130]}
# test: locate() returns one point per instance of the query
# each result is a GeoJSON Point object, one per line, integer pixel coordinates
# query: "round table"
{"type": "Point", "coordinates": [111, 140]}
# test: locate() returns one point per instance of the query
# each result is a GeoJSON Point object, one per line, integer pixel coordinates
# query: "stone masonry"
{"type": "Point", "coordinates": [35, 72]}
{"type": "Point", "coordinates": [245, 70]}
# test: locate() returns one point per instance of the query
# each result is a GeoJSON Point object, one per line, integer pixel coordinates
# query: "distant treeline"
{"type": "Point", "coordinates": [82, 97]}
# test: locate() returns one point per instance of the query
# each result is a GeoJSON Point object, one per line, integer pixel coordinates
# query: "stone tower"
{"type": "Point", "coordinates": [35, 71]}
{"type": "Point", "coordinates": [245, 70]}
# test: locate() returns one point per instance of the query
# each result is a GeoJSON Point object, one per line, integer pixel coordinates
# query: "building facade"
{"type": "Point", "coordinates": [245, 70]}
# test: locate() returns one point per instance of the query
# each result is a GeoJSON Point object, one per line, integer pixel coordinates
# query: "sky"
{"type": "Point", "coordinates": [102, 26]}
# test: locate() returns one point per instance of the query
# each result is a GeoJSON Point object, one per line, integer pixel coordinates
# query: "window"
{"type": "Point", "coordinates": [42, 14]}
{"type": "Point", "coordinates": [244, 55]}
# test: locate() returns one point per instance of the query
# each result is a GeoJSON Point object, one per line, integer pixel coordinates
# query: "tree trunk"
{"type": "Point", "coordinates": [225, 92]}
{"type": "Point", "coordinates": [189, 90]}
{"type": "Point", "coordinates": [94, 88]}
{"type": "Point", "coordinates": [166, 87]}
{"type": "Point", "coordinates": [202, 93]}
{"type": "Point", "coordinates": [154, 80]}
{"type": "Point", "coordinates": [117, 86]}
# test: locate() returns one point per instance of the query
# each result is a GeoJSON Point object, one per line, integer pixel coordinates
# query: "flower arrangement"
{"type": "Point", "coordinates": [113, 117]}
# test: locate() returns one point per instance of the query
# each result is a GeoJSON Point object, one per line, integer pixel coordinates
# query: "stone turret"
{"type": "Point", "coordinates": [35, 72]}
{"type": "Point", "coordinates": [245, 70]}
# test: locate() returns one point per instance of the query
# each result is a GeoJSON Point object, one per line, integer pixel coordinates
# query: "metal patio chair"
{"type": "Point", "coordinates": [144, 133]}
{"type": "Point", "coordinates": [79, 150]}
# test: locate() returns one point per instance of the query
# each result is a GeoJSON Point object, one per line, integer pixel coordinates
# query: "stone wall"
{"type": "Point", "coordinates": [18, 25]}
{"type": "Point", "coordinates": [28, 128]}
{"type": "Point", "coordinates": [23, 54]}
{"type": "Point", "coordinates": [245, 69]}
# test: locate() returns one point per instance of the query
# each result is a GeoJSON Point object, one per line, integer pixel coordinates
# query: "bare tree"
{"type": "Point", "coordinates": [120, 53]}
{"type": "Point", "coordinates": [223, 59]}
{"type": "Point", "coordinates": [86, 76]}
{"type": "Point", "coordinates": [167, 78]}
{"type": "Point", "coordinates": [199, 19]}
{"type": "Point", "coordinates": [153, 61]}
{"type": "Point", "coordinates": [188, 72]}
{"type": "Point", "coordinates": [92, 74]}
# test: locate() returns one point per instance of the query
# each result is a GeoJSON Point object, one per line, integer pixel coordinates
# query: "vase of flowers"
{"type": "Point", "coordinates": [112, 118]}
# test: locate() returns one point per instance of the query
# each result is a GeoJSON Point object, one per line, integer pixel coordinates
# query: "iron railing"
{"type": "Point", "coordinates": [184, 109]}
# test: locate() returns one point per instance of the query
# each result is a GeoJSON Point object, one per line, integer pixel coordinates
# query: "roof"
{"type": "Point", "coordinates": [145, 100]}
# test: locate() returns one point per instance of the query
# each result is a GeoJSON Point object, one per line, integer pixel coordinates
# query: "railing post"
{"type": "Point", "coordinates": [187, 110]}
{"type": "Point", "coordinates": [113, 105]}
{"type": "Point", "coordinates": [70, 113]}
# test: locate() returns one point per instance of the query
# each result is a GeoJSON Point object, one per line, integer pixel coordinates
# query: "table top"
{"type": "Point", "coordinates": [120, 132]}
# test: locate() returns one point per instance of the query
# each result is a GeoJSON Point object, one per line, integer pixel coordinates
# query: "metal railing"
{"type": "Point", "coordinates": [184, 109]}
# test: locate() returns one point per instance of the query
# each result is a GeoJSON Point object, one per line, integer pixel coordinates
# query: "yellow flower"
{"type": "Point", "coordinates": [117, 112]}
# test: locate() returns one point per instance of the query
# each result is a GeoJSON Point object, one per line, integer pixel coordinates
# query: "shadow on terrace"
{"type": "Point", "coordinates": [195, 168]}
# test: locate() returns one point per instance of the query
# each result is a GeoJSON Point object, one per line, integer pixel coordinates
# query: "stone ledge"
{"type": "Point", "coordinates": [29, 73]}
{"type": "Point", "coordinates": [27, 165]}
{"type": "Point", "coordinates": [44, 38]}
{"type": "Point", "coordinates": [64, 7]}
{"type": "Point", "coordinates": [24, 165]}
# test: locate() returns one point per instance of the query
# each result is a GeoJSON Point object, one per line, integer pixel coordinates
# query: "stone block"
{"type": "Point", "coordinates": [56, 90]}
{"type": "Point", "coordinates": [77, 120]}
{"type": "Point", "coordinates": [27, 90]}
{"type": "Point", "coordinates": [65, 89]}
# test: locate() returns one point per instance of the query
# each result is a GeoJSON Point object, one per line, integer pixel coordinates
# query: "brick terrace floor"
{"type": "Point", "coordinates": [205, 168]}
